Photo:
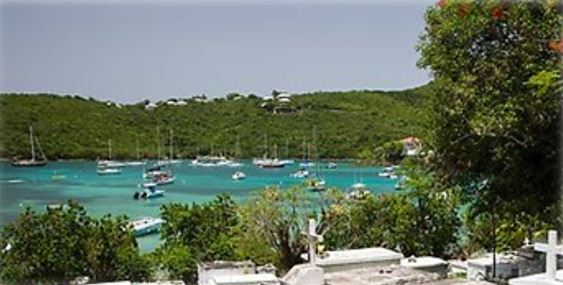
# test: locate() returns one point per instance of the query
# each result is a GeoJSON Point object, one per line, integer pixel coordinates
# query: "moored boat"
{"type": "Point", "coordinates": [239, 175]}
{"type": "Point", "coordinates": [108, 171]}
{"type": "Point", "coordinates": [145, 226]}
{"type": "Point", "coordinates": [358, 191]}
{"type": "Point", "coordinates": [34, 161]}
{"type": "Point", "coordinates": [150, 193]}
{"type": "Point", "coordinates": [301, 173]}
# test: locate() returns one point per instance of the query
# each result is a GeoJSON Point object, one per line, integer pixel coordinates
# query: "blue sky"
{"type": "Point", "coordinates": [130, 51]}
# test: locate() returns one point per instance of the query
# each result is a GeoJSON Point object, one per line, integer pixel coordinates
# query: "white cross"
{"type": "Point", "coordinates": [552, 250]}
{"type": "Point", "coordinates": [313, 238]}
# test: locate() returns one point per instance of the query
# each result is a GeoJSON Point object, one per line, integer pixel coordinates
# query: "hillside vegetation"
{"type": "Point", "coordinates": [345, 123]}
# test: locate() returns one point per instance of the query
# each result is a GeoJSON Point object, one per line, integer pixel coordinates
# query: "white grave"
{"type": "Point", "coordinates": [428, 264]}
{"type": "Point", "coordinates": [341, 260]}
{"type": "Point", "coordinates": [551, 276]}
{"type": "Point", "coordinates": [246, 279]}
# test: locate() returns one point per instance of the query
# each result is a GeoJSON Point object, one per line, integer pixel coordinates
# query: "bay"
{"type": "Point", "coordinates": [59, 182]}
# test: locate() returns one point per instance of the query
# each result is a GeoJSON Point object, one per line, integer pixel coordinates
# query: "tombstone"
{"type": "Point", "coordinates": [428, 264]}
{"type": "Point", "coordinates": [551, 275]}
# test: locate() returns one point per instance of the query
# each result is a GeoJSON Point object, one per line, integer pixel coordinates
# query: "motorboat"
{"type": "Point", "coordinates": [162, 178]}
{"type": "Point", "coordinates": [146, 226]}
{"type": "Point", "coordinates": [307, 164]}
{"type": "Point", "coordinates": [331, 165]}
{"type": "Point", "coordinates": [301, 173]}
{"type": "Point", "coordinates": [108, 171]}
{"type": "Point", "coordinates": [153, 171]}
{"type": "Point", "coordinates": [239, 175]}
{"type": "Point", "coordinates": [149, 193]}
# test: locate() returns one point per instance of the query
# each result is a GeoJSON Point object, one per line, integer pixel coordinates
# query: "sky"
{"type": "Point", "coordinates": [130, 51]}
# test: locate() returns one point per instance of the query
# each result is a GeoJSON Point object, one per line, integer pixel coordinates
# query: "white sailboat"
{"type": "Point", "coordinates": [34, 161]}
{"type": "Point", "coordinates": [109, 163]}
{"type": "Point", "coordinates": [137, 162]}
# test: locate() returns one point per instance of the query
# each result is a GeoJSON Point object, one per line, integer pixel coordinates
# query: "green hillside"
{"type": "Point", "coordinates": [346, 124]}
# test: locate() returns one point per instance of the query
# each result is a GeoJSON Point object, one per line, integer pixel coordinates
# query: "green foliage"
{"type": "Point", "coordinates": [64, 243]}
{"type": "Point", "coordinates": [389, 153]}
{"type": "Point", "coordinates": [196, 233]}
{"type": "Point", "coordinates": [69, 127]}
{"type": "Point", "coordinates": [496, 107]}
{"type": "Point", "coordinates": [422, 220]}
{"type": "Point", "coordinates": [278, 218]}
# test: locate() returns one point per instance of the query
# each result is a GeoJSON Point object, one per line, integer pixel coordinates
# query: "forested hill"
{"type": "Point", "coordinates": [345, 123]}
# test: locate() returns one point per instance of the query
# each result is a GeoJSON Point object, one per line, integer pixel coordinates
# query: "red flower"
{"type": "Point", "coordinates": [556, 46]}
{"type": "Point", "coordinates": [464, 9]}
{"type": "Point", "coordinates": [441, 3]}
{"type": "Point", "coordinates": [498, 13]}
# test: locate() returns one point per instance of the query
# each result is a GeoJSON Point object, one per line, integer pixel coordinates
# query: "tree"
{"type": "Point", "coordinates": [420, 220]}
{"type": "Point", "coordinates": [196, 233]}
{"type": "Point", "coordinates": [278, 218]}
{"type": "Point", "coordinates": [496, 113]}
{"type": "Point", "coordinates": [64, 243]}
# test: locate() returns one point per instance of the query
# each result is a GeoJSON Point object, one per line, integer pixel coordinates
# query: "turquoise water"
{"type": "Point", "coordinates": [36, 188]}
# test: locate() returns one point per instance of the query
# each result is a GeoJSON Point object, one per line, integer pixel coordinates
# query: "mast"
{"type": "Point", "coordinates": [287, 148]}
{"type": "Point", "coordinates": [138, 156]}
{"type": "Point", "coordinates": [265, 145]}
{"type": "Point", "coordinates": [171, 151]}
{"type": "Point", "coordinates": [31, 142]}
{"type": "Point", "coordinates": [275, 151]}
{"type": "Point", "coordinates": [109, 149]}
{"type": "Point", "coordinates": [158, 141]}
{"type": "Point", "coordinates": [237, 148]}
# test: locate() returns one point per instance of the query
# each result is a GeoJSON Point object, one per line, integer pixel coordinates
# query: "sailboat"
{"type": "Point", "coordinates": [358, 190]}
{"type": "Point", "coordinates": [316, 184]}
{"type": "Point", "coordinates": [287, 161]}
{"type": "Point", "coordinates": [306, 156]}
{"type": "Point", "coordinates": [170, 159]}
{"type": "Point", "coordinates": [238, 175]}
{"type": "Point", "coordinates": [137, 162]}
{"type": "Point", "coordinates": [109, 163]}
{"type": "Point", "coordinates": [34, 161]}
{"type": "Point", "coordinates": [266, 162]}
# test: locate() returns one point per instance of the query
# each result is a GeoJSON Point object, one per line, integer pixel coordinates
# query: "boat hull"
{"type": "Point", "coordinates": [26, 163]}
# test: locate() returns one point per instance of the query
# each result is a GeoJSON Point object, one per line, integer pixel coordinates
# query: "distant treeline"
{"type": "Point", "coordinates": [339, 124]}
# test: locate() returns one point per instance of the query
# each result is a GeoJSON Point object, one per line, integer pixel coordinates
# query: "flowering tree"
{"type": "Point", "coordinates": [496, 108]}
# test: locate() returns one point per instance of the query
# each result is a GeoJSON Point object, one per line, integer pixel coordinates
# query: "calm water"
{"type": "Point", "coordinates": [36, 188]}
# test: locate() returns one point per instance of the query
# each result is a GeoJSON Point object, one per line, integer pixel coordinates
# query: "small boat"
{"type": "Point", "coordinates": [209, 161]}
{"type": "Point", "coordinates": [307, 164]}
{"type": "Point", "coordinates": [34, 161]}
{"type": "Point", "coordinates": [108, 171]}
{"type": "Point", "coordinates": [358, 191]}
{"type": "Point", "coordinates": [145, 226]}
{"type": "Point", "coordinates": [331, 165]}
{"type": "Point", "coordinates": [58, 177]}
{"type": "Point", "coordinates": [162, 178]}
{"type": "Point", "coordinates": [111, 164]}
{"type": "Point", "coordinates": [302, 173]}
{"type": "Point", "coordinates": [135, 163]}
{"type": "Point", "coordinates": [153, 171]}
{"type": "Point", "coordinates": [315, 185]}
{"type": "Point", "coordinates": [150, 193]}
{"type": "Point", "coordinates": [239, 175]}
{"type": "Point", "coordinates": [271, 163]}
{"type": "Point", "coordinates": [385, 173]}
